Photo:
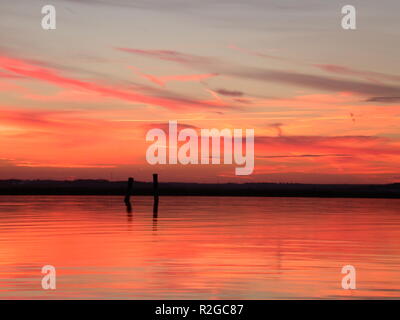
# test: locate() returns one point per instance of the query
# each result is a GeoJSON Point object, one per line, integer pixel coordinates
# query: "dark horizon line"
{"type": "Point", "coordinates": [260, 189]}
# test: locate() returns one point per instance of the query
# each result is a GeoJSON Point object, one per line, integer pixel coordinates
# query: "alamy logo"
{"type": "Point", "coordinates": [349, 280]}
{"type": "Point", "coordinates": [49, 20]}
{"type": "Point", "coordinates": [188, 152]}
{"type": "Point", "coordinates": [349, 20]}
{"type": "Point", "coordinates": [49, 280]}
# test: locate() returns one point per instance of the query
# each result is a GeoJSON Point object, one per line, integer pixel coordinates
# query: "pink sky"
{"type": "Point", "coordinates": [76, 102]}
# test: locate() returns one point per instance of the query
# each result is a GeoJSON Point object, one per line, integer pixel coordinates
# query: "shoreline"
{"type": "Point", "coordinates": [115, 188]}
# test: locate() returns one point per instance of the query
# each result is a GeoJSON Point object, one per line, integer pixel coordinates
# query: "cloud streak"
{"type": "Point", "coordinates": [368, 75]}
{"type": "Point", "coordinates": [268, 75]}
{"type": "Point", "coordinates": [344, 145]}
{"type": "Point", "coordinates": [23, 68]}
{"type": "Point", "coordinates": [384, 99]}
{"type": "Point", "coordinates": [229, 93]}
{"type": "Point", "coordinates": [163, 80]}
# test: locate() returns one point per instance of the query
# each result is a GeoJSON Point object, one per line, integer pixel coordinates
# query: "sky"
{"type": "Point", "coordinates": [77, 102]}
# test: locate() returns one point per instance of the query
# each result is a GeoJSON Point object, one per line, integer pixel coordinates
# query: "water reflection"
{"type": "Point", "coordinates": [155, 213]}
{"type": "Point", "coordinates": [208, 247]}
{"type": "Point", "coordinates": [128, 205]}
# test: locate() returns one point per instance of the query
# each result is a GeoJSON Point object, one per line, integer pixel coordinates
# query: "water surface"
{"type": "Point", "coordinates": [198, 247]}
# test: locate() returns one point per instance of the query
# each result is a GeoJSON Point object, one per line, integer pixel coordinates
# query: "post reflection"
{"type": "Point", "coordinates": [155, 213]}
{"type": "Point", "coordinates": [128, 210]}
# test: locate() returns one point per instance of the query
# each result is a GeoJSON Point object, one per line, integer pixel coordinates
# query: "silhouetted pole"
{"type": "Point", "coordinates": [155, 194]}
{"type": "Point", "coordinates": [155, 185]}
{"type": "Point", "coordinates": [129, 191]}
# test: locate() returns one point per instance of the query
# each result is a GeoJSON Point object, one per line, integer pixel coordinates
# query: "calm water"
{"type": "Point", "coordinates": [198, 247]}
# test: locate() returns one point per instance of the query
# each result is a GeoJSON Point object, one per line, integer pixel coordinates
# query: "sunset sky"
{"type": "Point", "coordinates": [77, 102]}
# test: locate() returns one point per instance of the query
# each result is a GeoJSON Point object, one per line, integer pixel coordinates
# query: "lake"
{"type": "Point", "coordinates": [198, 247]}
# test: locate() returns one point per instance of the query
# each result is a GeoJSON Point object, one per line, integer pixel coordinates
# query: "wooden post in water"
{"type": "Point", "coordinates": [155, 194]}
{"type": "Point", "coordinates": [129, 190]}
{"type": "Point", "coordinates": [155, 184]}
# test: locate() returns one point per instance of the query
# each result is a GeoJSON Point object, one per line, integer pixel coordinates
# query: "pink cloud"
{"type": "Point", "coordinates": [162, 80]}
{"type": "Point", "coordinates": [373, 86]}
{"type": "Point", "coordinates": [23, 68]}
{"type": "Point", "coordinates": [368, 75]}
{"type": "Point", "coordinates": [286, 77]}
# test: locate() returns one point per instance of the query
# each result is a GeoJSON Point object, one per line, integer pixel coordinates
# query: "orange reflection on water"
{"type": "Point", "coordinates": [198, 247]}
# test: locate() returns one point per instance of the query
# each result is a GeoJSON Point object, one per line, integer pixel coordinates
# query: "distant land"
{"type": "Point", "coordinates": [104, 187]}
